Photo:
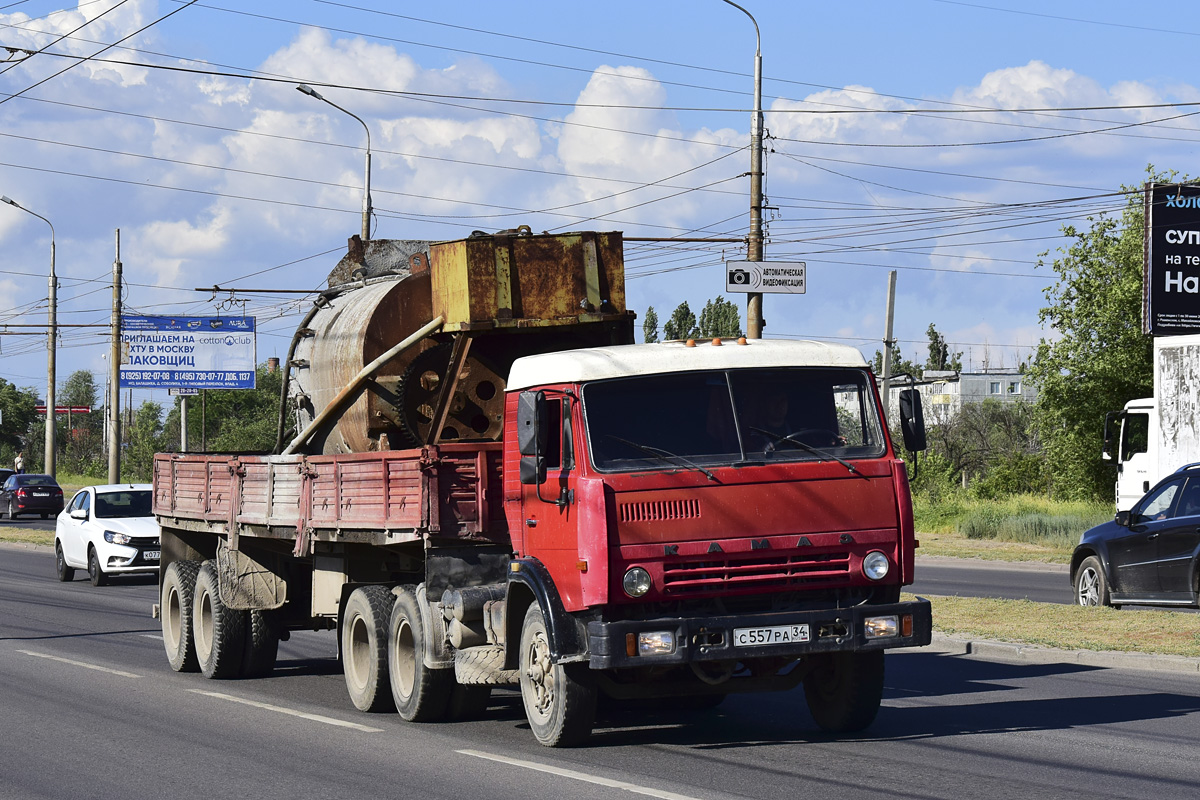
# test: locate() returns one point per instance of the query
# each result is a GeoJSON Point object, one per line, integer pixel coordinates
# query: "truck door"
{"type": "Point", "coordinates": [548, 509]}
{"type": "Point", "coordinates": [1135, 476]}
{"type": "Point", "coordinates": [1178, 543]}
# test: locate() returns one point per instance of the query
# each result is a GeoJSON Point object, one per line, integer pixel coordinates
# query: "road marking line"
{"type": "Point", "coordinates": [83, 664]}
{"type": "Point", "coordinates": [579, 776]}
{"type": "Point", "coordinates": [152, 636]}
{"type": "Point", "coordinates": [289, 711]}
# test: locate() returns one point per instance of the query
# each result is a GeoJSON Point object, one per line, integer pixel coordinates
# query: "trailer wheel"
{"type": "Point", "coordinates": [844, 690]}
{"type": "Point", "coordinates": [364, 647]}
{"type": "Point", "coordinates": [560, 699]}
{"type": "Point", "coordinates": [421, 694]}
{"type": "Point", "coordinates": [178, 589]}
{"type": "Point", "coordinates": [262, 643]}
{"type": "Point", "coordinates": [219, 631]}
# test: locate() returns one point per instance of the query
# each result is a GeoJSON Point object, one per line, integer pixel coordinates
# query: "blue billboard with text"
{"type": "Point", "coordinates": [188, 352]}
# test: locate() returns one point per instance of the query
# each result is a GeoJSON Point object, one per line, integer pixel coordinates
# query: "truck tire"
{"type": "Point", "coordinates": [178, 589]}
{"type": "Point", "coordinates": [1091, 586]}
{"type": "Point", "coordinates": [219, 631]}
{"type": "Point", "coordinates": [262, 643]}
{"type": "Point", "coordinates": [560, 699]}
{"type": "Point", "coordinates": [844, 690]}
{"type": "Point", "coordinates": [421, 694]}
{"type": "Point", "coordinates": [364, 647]}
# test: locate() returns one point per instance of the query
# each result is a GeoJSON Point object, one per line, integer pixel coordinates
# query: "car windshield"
{"type": "Point", "coordinates": [735, 416]}
{"type": "Point", "coordinates": [133, 503]}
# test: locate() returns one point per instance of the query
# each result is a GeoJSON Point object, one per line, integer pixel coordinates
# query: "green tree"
{"type": "Point", "coordinates": [940, 357]}
{"type": "Point", "coordinates": [720, 318]}
{"type": "Point", "coordinates": [234, 420]}
{"type": "Point", "coordinates": [650, 326]}
{"type": "Point", "coordinates": [144, 440]}
{"type": "Point", "coordinates": [682, 324]}
{"type": "Point", "coordinates": [900, 364]}
{"type": "Point", "coordinates": [1100, 359]}
{"type": "Point", "coordinates": [17, 409]}
{"type": "Point", "coordinates": [81, 436]}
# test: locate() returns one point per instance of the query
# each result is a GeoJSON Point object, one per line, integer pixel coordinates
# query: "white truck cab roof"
{"type": "Point", "coordinates": [621, 361]}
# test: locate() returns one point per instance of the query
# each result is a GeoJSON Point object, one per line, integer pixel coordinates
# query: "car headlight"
{"type": "Point", "coordinates": [875, 566]}
{"type": "Point", "coordinates": [112, 537]}
{"type": "Point", "coordinates": [637, 582]}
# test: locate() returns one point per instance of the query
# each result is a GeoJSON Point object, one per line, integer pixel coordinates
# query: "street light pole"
{"type": "Point", "coordinates": [366, 212]}
{"type": "Point", "coordinates": [51, 341]}
{"type": "Point", "coordinates": [754, 249]}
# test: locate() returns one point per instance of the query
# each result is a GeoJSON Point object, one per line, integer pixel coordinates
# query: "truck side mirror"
{"type": "Point", "coordinates": [532, 435]}
{"type": "Point", "coordinates": [912, 420]}
{"type": "Point", "coordinates": [1109, 450]}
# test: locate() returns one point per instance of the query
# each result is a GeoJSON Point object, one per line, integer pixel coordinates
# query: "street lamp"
{"type": "Point", "coordinates": [754, 320]}
{"type": "Point", "coordinates": [51, 341]}
{"type": "Point", "coordinates": [366, 212]}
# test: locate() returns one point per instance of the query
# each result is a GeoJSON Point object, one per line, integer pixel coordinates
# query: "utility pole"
{"type": "Point", "coordinates": [754, 246]}
{"type": "Point", "coordinates": [888, 342]}
{"type": "Point", "coordinates": [112, 410]}
{"type": "Point", "coordinates": [183, 409]}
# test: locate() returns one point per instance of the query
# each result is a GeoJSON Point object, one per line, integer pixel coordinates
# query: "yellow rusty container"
{"type": "Point", "coordinates": [522, 280]}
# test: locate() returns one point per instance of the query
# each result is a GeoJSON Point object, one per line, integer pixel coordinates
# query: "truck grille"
{"type": "Point", "coordinates": [657, 511]}
{"type": "Point", "coordinates": [754, 572]}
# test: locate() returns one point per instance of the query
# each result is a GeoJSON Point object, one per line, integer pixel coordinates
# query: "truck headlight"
{"type": "Point", "coordinates": [877, 627]}
{"type": "Point", "coordinates": [655, 643]}
{"type": "Point", "coordinates": [875, 566]}
{"type": "Point", "coordinates": [112, 537]}
{"type": "Point", "coordinates": [637, 582]}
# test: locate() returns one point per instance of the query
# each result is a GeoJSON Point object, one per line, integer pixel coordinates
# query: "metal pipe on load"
{"type": "Point", "coordinates": [356, 385]}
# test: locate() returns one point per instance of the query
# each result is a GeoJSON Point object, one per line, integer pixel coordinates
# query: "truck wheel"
{"type": "Point", "coordinates": [364, 647]}
{"type": "Point", "coordinates": [560, 699]}
{"type": "Point", "coordinates": [95, 571]}
{"type": "Point", "coordinates": [65, 573]}
{"type": "Point", "coordinates": [219, 631]}
{"type": "Point", "coordinates": [421, 694]}
{"type": "Point", "coordinates": [178, 588]}
{"type": "Point", "coordinates": [1091, 587]}
{"type": "Point", "coordinates": [262, 643]}
{"type": "Point", "coordinates": [844, 690]}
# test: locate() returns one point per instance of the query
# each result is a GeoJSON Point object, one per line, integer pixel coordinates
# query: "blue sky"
{"type": "Point", "coordinates": [633, 117]}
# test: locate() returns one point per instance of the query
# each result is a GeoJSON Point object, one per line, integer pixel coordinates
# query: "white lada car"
{"type": "Point", "coordinates": [107, 530]}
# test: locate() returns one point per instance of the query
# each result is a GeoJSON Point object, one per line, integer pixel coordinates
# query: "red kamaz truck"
{"type": "Point", "coordinates": [492, 487]}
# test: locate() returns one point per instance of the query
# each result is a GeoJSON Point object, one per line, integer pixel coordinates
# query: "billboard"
{"type": "Point", "coordinates": [188, 352]}
{"type": "Point", "coordinates": [1171, 286]}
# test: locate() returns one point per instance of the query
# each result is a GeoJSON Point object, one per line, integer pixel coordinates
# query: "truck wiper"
{"type": "Point", "coordinates": [821, 454]}
{"type": "Point", "coordinates": [665, 455]}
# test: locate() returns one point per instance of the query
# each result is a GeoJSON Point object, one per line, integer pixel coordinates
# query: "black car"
{"type": "Point", "coordinates": [30, 494]}
{"type": "Point", "coordinates": [1148, 555]}
{"type": "Point", "coordinates": [4, 473]}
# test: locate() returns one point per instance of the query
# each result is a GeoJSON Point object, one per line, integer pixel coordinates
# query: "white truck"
{"type": "Point", "coordinates": [1153, 437]}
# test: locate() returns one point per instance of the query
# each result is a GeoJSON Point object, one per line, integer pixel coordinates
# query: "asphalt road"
{"type": "Point", "coordinates": [92, 710]}
{"type": "Point", "coordinates": [1042, 583]}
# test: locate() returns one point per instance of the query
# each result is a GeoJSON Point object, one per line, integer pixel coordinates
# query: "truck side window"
{"type": "Point", "coordinates": [1135, 435]}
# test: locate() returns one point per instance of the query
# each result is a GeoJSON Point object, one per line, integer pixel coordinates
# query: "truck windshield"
{"type": "Point", "coordinates": [735, 416]}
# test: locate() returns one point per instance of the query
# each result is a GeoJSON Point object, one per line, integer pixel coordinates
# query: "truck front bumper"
{"type": "Point", "coordinates": [739, 637]}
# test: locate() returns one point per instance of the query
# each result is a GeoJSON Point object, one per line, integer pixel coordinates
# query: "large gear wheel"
{"type": "Point", "coordinates": [476, 410]}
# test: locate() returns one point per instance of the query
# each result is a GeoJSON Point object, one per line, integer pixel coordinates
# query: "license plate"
{"type": "Point", "coordinates": [776, 634]}
{"type": "Point", "coordinates": [41, 494]}
{"type": "Point", "coordinates": [151, 555]}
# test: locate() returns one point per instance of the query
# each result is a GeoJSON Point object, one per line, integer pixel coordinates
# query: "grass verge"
{"type": "Point", "coordinates": [1068, 627]}
{"type": "Point", "coordinates": [1019, 528]}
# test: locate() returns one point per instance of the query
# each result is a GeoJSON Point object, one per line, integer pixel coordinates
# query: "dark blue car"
{"type": "Point", "coordinates": [1148, 555]}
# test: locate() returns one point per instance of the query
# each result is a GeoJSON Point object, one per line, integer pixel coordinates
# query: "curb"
{"type": "Point", "coordinates": [1030, 654]}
